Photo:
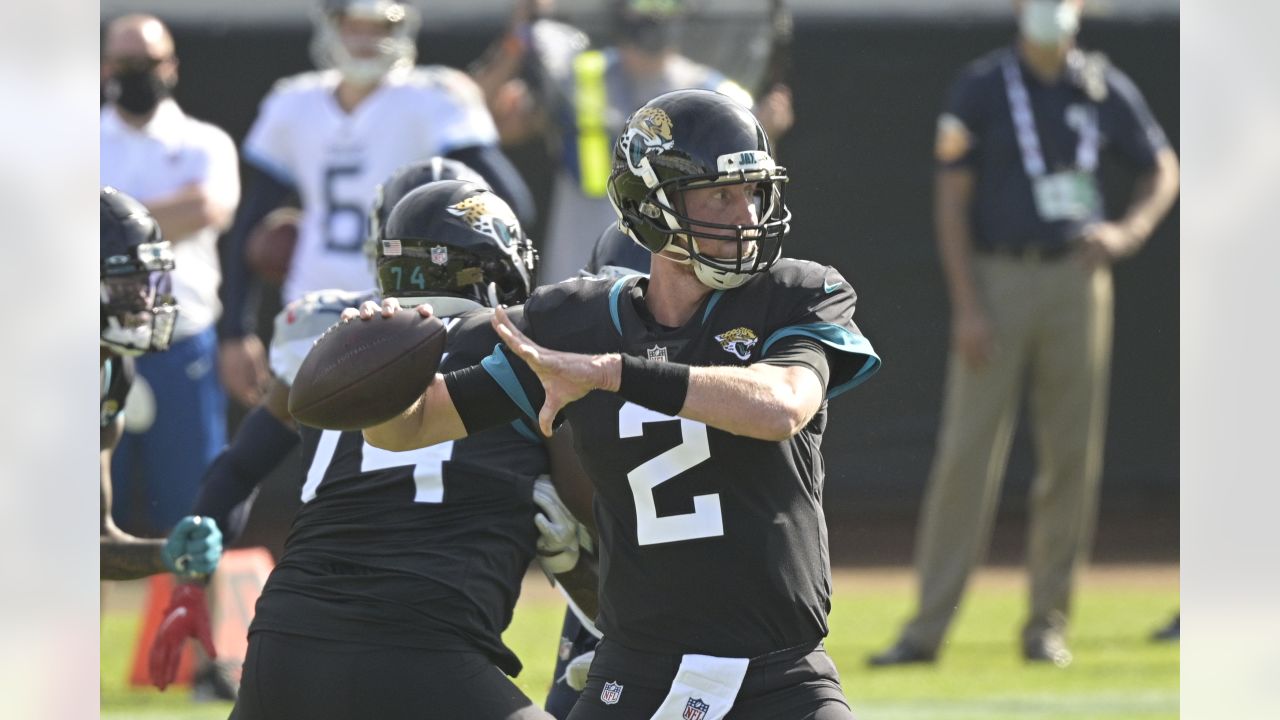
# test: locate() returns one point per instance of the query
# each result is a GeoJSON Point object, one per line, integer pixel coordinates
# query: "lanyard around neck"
{"type": "Point", "coordinates": [1024, 125]}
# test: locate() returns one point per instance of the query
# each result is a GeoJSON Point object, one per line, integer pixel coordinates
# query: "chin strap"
{"type": "Point", "coordinates": [709, 275]}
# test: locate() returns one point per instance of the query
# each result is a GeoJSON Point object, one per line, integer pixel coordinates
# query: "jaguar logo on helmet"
{"type": "Point", "coordinates": [492, 219]}
{"type": "Point", "coordinates": [738, 341]}
{"type": "Point", "coordinates": [649, 129]}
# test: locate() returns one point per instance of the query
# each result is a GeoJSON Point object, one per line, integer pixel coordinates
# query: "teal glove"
{"type": "Point", "coordinates": [193, 548]}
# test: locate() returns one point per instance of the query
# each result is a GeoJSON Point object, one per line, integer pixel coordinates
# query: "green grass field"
{"type": "Point", "coordinates": [1117, 674]}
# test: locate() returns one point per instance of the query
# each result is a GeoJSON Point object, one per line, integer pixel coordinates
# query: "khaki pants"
{"type": "Point", "coordinates": [1052, 322]}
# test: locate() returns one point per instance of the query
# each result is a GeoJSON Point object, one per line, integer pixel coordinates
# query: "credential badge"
{"type": "Point", "coordinates": [611, 693]}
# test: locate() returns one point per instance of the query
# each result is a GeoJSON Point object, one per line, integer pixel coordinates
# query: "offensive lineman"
{"type": "Point", "coordinates": [715, 578]}
{"type": "Point", "coordinates": [401, 570]}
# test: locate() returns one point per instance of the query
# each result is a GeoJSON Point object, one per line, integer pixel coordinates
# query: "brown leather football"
{"type": "Point", "coordinates": [364, 372]}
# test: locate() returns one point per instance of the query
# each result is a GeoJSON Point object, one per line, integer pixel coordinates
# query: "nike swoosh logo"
{"type": "Point", "coordinates": [832, 287]}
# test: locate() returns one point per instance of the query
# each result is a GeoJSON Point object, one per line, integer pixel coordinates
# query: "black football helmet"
{"type": "Point", "coordinates": [400, 183]}
{"type": "Point", "coordinates": [454, 238]}
{"type": "Point", "coordinates": [689, 139]}
{"type": "Point", "coordinates": [137, 304]}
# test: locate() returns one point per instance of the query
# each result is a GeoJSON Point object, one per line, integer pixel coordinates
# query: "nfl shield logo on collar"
{"type": "Point", "coordinates": [695, 709]}
{"type": "Point", "coordinates": [611, 693]}
{"type": "Point", "coordinates": [440, 255]}
{"type": "Point", "coordinates": [657, 352]}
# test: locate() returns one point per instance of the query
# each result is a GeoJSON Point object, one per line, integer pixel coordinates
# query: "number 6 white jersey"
{"type": "Point", "coordinates": [336, 159]}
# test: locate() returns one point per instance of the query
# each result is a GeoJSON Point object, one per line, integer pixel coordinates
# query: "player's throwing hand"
{"type": "Point", "coordinates": [565, 376]}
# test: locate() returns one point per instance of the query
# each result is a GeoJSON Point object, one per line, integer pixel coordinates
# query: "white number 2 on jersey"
{"type": "Point", "coordinates": [705, 520]}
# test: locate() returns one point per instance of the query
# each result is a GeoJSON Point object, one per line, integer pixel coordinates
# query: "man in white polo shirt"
{"type": "Point", "coordinates": [185, 172]}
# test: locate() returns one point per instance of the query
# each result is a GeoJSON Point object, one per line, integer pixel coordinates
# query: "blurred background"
{"type": "Point", "coordinates": [868, 80]}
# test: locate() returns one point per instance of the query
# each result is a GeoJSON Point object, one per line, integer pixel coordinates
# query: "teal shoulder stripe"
{"type": "Point", "coordinates": [837, 338]}
{"type": "Point", "coordinates": [500, 369]}
{"type": "Point", "coordinates": [614, 293]}
{"type": "Point", "coordinates": [715, 298]}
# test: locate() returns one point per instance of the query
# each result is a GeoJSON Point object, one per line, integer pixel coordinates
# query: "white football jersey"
{"type": "Point", "coordinates": [337, 159]}
{"type": "Point", "coordinates": [303, 321]}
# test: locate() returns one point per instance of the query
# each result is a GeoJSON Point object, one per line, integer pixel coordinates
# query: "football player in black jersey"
{"type": "Point", "coordinates": [137, 316]}
{"type": "Point", "coordinates": [697, 398]}
{"type": "Point", "coordinates": [401, 570]}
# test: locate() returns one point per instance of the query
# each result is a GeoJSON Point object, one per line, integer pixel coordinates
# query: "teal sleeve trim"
{"type": "Point", "coordinates": [499, 368]}
{"type": "Point", "coordinates": [614, 293]}
{"type": "Point", "coordinates": [838, 338]}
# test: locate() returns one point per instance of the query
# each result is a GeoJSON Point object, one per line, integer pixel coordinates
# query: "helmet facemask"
{"type": "Point", "coordinates": [660, 223]}
{"type": "Point", "coordinates": [396, 51]}
{"type": "Point", "coordinates": [138, 310]}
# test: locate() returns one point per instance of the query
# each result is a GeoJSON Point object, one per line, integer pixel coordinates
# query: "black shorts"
{"type": "Point", "coordinates": [292, 676]}
{"type": "Point", "coordinates": [794, 684]}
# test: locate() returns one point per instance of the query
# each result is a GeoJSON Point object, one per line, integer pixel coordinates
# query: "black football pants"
{"type": "Point", "coordinates": [794, 684]}
{"type": "Point", "coordinates": [291, 676]}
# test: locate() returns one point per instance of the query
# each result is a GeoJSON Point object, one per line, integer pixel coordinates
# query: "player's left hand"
{"type": "Point", "coordinates": [565, 376]}
{"type": "Point", "coordinates": [193, 548]}
{"type": "Point", "coordinates": [1105, 242]}
{"type": "Point", "coordinates": [187, 616]}
{"type": "Point", "coordinates": [575, 673]}
{"type": "Point", "coordinates": [242, 368]}
{"type": "Point", "coordinates": [558, 545]}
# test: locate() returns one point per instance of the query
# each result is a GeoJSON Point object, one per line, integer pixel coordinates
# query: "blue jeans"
{"type": "Point", "coordinates": [166, 462]}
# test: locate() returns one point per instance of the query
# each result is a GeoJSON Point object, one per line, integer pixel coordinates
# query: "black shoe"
{"type": "Point", "coordinates": [1171, 632]}
{"type": "Point", "coordinates": [902, 654]}
{"type": "Point", "coordinates": [1047, 647]}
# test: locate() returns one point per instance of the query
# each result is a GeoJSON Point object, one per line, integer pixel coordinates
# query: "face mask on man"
{"type": "Point", "coordinates": [136, 90]}
{"type": "Point", "coordinates": [1049, 23]}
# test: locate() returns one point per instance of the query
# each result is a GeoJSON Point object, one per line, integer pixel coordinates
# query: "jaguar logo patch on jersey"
{"type": "Point", "coordinates": [484, 217]}
{"type": "Point", "coordinates": [649, 129]}
{"type": "Point", "coordinates": [738, 341]}
{"type": "Point", "coordinates": [611, 693]}
{"type": "Point", "coordinates": [695, 709]}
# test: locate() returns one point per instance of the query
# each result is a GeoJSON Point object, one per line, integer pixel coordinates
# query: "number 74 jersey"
{"type": "Point", "coordinates": [713, 543]}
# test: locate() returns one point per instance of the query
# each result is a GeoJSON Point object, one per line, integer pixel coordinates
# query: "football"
{"type": "Point", "coordinates": [364, 372]}
{"type": "Point", "coordinates": [269, 248]}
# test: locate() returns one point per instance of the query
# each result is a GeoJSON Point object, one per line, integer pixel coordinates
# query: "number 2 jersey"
{"type": "Point", "coordinates": [425, 548]}
{"type": "Point", "coordinates": [336, 159]}
{"type": "Point", "coordinates": [712, 543]}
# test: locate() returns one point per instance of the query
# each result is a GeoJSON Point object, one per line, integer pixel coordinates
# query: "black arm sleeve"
{"type": "Point", "coordinates": [264, 193]}
{"type": "Point", "coordinates": [479, 400]}
{"type": "Point", "coordinates": [502, 176]}
{"type": "Point", "coordinates": [801, 350]}
{"type": "Point", "coordinates": [259, 445]}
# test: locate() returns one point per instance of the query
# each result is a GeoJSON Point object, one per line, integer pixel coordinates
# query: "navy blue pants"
{"type": "Point", "coordinates": [574, 641]}
{"type": "Point", "coordinates": [166, 462]}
